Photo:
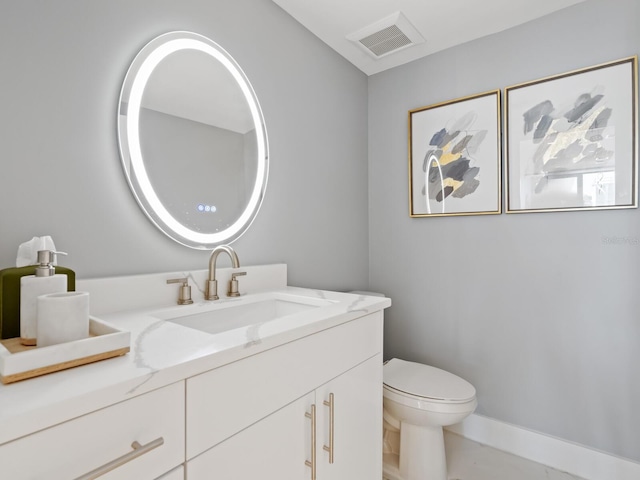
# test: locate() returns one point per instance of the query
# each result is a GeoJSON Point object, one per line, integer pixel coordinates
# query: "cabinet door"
{"type": "Point", "coordinates": [176, 474]}
{"type": "Point", "coordinates": [274, 448]}
{"type": "Point", "coordinates": [357, 424]}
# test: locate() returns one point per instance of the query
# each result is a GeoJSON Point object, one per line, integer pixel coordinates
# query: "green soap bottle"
{"type": "Point", "coordinates": [10, 296]}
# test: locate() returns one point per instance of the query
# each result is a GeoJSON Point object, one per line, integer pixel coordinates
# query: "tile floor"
{"type": "Point", "coordinates": [468, 460]}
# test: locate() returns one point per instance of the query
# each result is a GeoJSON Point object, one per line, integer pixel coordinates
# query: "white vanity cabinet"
{"type": "Point", "coordinates": [251, 402]}
{"type": "Point", "coordinates": [79, 446]}
{"type": "Point", "coordinates": [253, 418]}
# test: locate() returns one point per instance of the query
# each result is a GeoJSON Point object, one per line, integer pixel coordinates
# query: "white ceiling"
{"type": "Point", "coordinates": [442, 23]}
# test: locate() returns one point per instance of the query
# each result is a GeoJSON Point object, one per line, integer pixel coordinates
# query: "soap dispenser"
{"type": "Point", "coordinates": [43, 282]}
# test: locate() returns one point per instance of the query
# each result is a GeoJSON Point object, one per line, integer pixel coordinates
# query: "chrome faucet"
{"type": "Point", "coordinates": [211, 291]}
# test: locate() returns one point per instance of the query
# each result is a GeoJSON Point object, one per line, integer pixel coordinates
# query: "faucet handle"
{"type": "Point", "coordinates": [233, 284]}
{"type": "Point", "coordinates": [184, 296]}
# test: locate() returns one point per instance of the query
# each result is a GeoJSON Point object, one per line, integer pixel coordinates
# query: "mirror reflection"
{"type": "Point", "coordinates": [193, 141]}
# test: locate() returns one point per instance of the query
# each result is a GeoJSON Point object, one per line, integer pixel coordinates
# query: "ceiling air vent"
{"type": "Point", "coordinates": [386, 36]}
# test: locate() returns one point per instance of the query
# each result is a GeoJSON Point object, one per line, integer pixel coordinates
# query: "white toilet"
{"type": "Point", "coordinates": [418, 401]}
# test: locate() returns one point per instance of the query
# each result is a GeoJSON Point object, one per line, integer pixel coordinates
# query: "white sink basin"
{"type": "Point", "coordinates": [212, 317]}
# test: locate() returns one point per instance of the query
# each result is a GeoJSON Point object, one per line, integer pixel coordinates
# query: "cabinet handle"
{"type": "Point", "coordinates": [329, 449]}
{"type": "Point", "coordinates": [138, 451]}
{"type": "Point", "coordinates": [312, 464]}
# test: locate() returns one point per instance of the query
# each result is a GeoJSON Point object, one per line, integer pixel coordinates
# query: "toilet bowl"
{"type": "Point", "coordinates": [418, 401]}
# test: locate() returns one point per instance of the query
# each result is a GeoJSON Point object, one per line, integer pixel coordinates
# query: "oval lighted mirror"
{"type": "Point", "coordinates": [192, 140]}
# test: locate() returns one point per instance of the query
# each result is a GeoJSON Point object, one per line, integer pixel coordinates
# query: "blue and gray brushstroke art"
{"type": "Point", "coordinates": [570, 139]}
{"type": "Point", "coordinates": [448, 162]}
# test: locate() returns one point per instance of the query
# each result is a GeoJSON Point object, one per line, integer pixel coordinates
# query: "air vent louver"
{"type": "Point", "coordinates": [386, 40]}
{"type": "Point", "coordinates": [386, 36]}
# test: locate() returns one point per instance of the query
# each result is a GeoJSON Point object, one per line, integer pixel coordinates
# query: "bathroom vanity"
{"type": "Point", "coordinates": [280, 383]}
{"type": "Point", "coordinates": [291, 390]}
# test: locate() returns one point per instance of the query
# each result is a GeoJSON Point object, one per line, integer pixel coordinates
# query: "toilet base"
{"type": "Point", "coordinates": [422, 455]}
{"type": "Point", "coordinates": [390, 470]}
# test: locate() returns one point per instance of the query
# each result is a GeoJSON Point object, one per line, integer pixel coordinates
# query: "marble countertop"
{"type": "Point", "coordinates": [163, 352]}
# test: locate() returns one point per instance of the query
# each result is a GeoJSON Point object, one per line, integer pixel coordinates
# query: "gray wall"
{"type": "Point", "coordinates": [539, 311]}
{"type": "Point", "coordinates": [63, 63]}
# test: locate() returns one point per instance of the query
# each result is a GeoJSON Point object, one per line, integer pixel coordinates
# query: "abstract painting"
{"type": "Point", "coordinates": [572, 140]}
{"type": "Point", "coordinates": [454, 157]}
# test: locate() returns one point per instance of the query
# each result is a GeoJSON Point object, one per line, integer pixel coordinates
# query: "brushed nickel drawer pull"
{"type": "Point", "coordinates": [138, 451]}
{"type": "Point", "coordinates": [312, 464]}
{"type": "Point", "coordinates": [329, 449]}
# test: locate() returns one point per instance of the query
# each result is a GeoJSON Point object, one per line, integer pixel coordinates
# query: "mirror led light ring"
{"type": "Point", "coordinates": [131, 103]}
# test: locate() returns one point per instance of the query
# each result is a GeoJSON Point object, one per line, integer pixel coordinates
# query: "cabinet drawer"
{"type": "Point", "coordinates": [81, 445]}
{"type": "Point", "coordinates": [224, 401]}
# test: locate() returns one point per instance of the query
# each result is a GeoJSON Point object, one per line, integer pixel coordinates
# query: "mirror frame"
{"type": "Point", "coordinates": [130, 104]}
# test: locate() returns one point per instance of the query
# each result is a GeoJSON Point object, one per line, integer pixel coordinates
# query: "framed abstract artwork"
{"type": "Point", "coordinates": [454, 157]}
{"type": "Point", "coordinates": [571, 140]}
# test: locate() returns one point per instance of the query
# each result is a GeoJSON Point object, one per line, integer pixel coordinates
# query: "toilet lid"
{"type": "Point", "coordinates": [426, 381]}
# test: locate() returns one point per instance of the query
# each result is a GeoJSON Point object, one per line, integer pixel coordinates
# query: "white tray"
{"type": "Point", "coordinates": [18, 362]}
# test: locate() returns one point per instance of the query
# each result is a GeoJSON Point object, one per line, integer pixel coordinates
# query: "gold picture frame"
{"type": "Point", "coordinates": [455, 157]}
{"type": "Point", "coordinates": [571, 140]}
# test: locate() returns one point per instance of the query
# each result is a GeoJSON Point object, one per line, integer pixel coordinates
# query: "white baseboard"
{"type": "Point", "coordinates": [556, 453]}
